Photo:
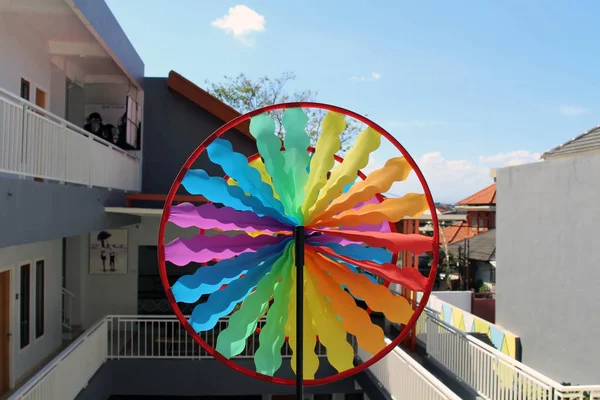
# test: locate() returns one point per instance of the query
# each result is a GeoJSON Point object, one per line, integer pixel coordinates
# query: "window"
{"type": "Point", "coordinates": [39, 298]}
{"type": "Point", "coordinates": [24, 89]}
{"type": "Point", "coordinates": [24, 304]}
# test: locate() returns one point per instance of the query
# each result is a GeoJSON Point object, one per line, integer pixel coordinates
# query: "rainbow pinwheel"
{"type": "Point", "coordinates": [348, 241]}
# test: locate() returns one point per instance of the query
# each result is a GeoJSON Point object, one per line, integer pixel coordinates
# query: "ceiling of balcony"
{"type": "Point", "coordinates": [69, 40]}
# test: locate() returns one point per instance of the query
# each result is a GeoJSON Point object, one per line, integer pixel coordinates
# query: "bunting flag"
{"type": "Point", "coordinates": [349, 246]}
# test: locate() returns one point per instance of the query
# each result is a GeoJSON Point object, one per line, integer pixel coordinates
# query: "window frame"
{"type": "Point", "coordinates": [28, 83]}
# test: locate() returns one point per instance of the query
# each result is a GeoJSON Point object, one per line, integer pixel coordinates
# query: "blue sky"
{"type": "Point", "coordinates": [464, 85]}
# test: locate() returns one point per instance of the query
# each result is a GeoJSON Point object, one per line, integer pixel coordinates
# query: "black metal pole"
{"type": "Point", "coordinates": [299, 239]}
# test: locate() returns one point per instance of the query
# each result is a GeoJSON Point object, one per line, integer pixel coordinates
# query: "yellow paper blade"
{"type": "Point", "coordinates": [355, 320]}
{"type": "Point", "coordinates": [264, 175]}
{"type": "Point", "coordinates": [379, 181]}
{"type": "Point", "coordinates": [345, 173]}
{"type": "Point", "coordinates": [311, 360]}
{"type": "Point", "coordinates": [329, 328]}
{"type": "Point", "coordinates": [396, 308]}
{"type": "Point", "coordinates": [392, 210]}
{"type": "Point", "coordinates": [322, 161]}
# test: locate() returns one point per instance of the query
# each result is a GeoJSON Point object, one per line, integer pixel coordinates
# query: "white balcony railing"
{"type": "Point", "coordinates": [404, 378]}
{"type": "Point", "coordinates": [36, 143]}
{"type": "Point", "coordinates": [493, 374]}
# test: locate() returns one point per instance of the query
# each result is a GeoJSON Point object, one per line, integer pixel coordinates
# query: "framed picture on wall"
{"type": "Point", "coordinates": [108, 252]}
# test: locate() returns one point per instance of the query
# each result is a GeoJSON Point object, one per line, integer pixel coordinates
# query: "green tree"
{"type": "Point", "coordinates": [245, 94]}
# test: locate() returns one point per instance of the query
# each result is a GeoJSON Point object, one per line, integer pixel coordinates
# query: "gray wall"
{"type": "Point", "coordinates": [192, 378]}
{"type": "Point", "coordinates": [107, 26]}
{"type": "Point", "coordinates": [547, 276]}
{"type": "Point", "coordinates": [173, 128]}
{"type": "Point", "coordinates": [37, 211]}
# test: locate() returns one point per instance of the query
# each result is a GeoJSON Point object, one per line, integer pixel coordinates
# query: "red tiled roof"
{"type": "Point", "coordinates": [485, 196]}
{"type": "Point", "coordinates": [456, 233]}
{"type": "Point", "coordinates": [202, 98]}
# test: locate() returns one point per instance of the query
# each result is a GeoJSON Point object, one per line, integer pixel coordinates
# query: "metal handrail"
{"type": "Point", "coordinates": [18, 101]}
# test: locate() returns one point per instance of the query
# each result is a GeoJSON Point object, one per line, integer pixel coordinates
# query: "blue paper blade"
{"type": "Point", "coordinates": [206, 280]}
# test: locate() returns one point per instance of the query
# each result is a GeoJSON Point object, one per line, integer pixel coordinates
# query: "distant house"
{"type": "Point", "coordinates": [480, 209]}
{"type": "Point", "coordinates": [480, 251]}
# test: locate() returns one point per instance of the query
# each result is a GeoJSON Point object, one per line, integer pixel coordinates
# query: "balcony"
{"type": "Point", "coordinates": [452, 359]}
{"type": "Point", "coordinates": [36, 144]}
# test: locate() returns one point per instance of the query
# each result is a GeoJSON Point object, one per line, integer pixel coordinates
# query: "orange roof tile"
{"type": "Point", "coordinates": [485, 196]}
{"type": "Point", "coordinates": [456, 233]}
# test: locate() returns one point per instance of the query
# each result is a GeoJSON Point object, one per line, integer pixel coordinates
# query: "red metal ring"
{"type": "Point", "coordinates": [165, 216]}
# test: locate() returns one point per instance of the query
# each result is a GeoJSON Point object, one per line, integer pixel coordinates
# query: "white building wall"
{"type": "Point", "coordinates": [547, 277]}
{"type": "Point", "coordinates": [24, 360]}
{"type": "Point", "coordinates": [23, 54]}
{"type": "Point", "coordinates": [99, 295]}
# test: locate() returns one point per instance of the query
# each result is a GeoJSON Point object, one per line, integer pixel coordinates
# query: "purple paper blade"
{"type": "Point", "coordinates": [202, 248]}
{"type": "Point", "coordinates": [208, 216]}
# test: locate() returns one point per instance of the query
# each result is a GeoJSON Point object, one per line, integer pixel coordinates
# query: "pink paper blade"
{"type": "Point", "coordinates": [208, 216]}
{"type": "Point", "coordinates": [202, 248]}
{"type": "Point", "coordinates": [409, 278]}
{"type": "Point", "coordinates": [392, 241]}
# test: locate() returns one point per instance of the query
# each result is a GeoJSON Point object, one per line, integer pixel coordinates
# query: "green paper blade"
{"type": "Point", "coordinates": [267, 358]}
{"type": "Point", "coordinates": [232, 340]}
{"type": "Point", "coordinates": [296, 157]}
{"type": "Point", "coordinates": [262, 127]}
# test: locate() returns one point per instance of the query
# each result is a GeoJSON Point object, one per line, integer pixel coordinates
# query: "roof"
{"type": "Point", "coordinates": [208, 102]}
{"type": "Point", "coordinates": [482, 247]}
{"type": "Point", "coordinates": [485, 196]}
{"type": "Point", "coordinates": [586, 142]}
{"type": "Point", "coordinates": [456, 233]}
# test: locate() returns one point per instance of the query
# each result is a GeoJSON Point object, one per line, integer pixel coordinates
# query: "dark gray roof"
{"type": "Point", "coordinates": [482, 247]}
{"type": "Point", "coordinates": [586, 142]}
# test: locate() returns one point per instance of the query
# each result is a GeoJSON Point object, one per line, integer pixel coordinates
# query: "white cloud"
{"type": "Point", "coordinates": [241, 21]}
{"type": "Point", "coordinates": [373, 77]}
{"type": "Point", "coordinates": [572, 111]}
{"type": "Point", "coordinates": [452, 180]}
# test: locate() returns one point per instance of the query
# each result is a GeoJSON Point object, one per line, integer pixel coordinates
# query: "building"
{"type": "Point", "coordinates": [88, 150]}
{"type": "Point", "coordinates": [547, 293]}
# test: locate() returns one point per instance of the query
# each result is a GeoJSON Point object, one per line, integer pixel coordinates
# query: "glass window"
{"type": "Point", "coordinates": [39, 298]}
{"type": "Point", "coordinates": [24, 303]}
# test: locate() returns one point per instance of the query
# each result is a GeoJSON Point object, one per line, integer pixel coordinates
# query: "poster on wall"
{"type": "Point", "coordinates": [108, 252]}
{"type": "Point", "coordinates": [107, 122]}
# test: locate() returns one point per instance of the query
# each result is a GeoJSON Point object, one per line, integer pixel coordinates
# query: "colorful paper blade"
{"type": "Point", "coordinates": [262, 127]}
{"type": "Point", "coordinates": [258, 165]}
{"type": "Point", "coordinates": [272, 336]}
{"type": "Point", "coordinates": [236, 166]}
{"type": "Point", "coordinates": [396, 308]}
{"type": "Point", "coordinates": [356, 159]}
{"type": "Point", "coordinates": [209, 279]}
{"type": "Point", "coordinates": [216, 190]}
{"type": "Point", "coordinates": [378, 181]}
{"type": "Point", "coordinates": [232, 340]}
{"type": "Point", "coordinates": [329, 328]}
{"type": "Point", "coordinates": [297, 159]}
{"type": "Point", "coordinates": [206, 315]}
{"type": "Point", "coordinates": [327, 145]}
{"type": "Point", "coordinates": [355, 320]}
{"type": "Point", "coordinates": [360, 252]}
{"type": "Point", "coordinates": [208, 216]}
{"type": "Point", "coordinates": [200, 248]}
{"type": "Point", "coordinates": [390, 210]}
{"type": "Point", "coordinates": [409, 278]}
{"type": "Point", "coordinates": [394, 242]}
{"type": "Point", "coordinates": [310, 359]}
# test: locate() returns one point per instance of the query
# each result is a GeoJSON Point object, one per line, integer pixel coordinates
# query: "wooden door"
{"type": "Point", "coordinates": [40, 98]}
{"type": "Point", "coordinates": [5, 334]}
